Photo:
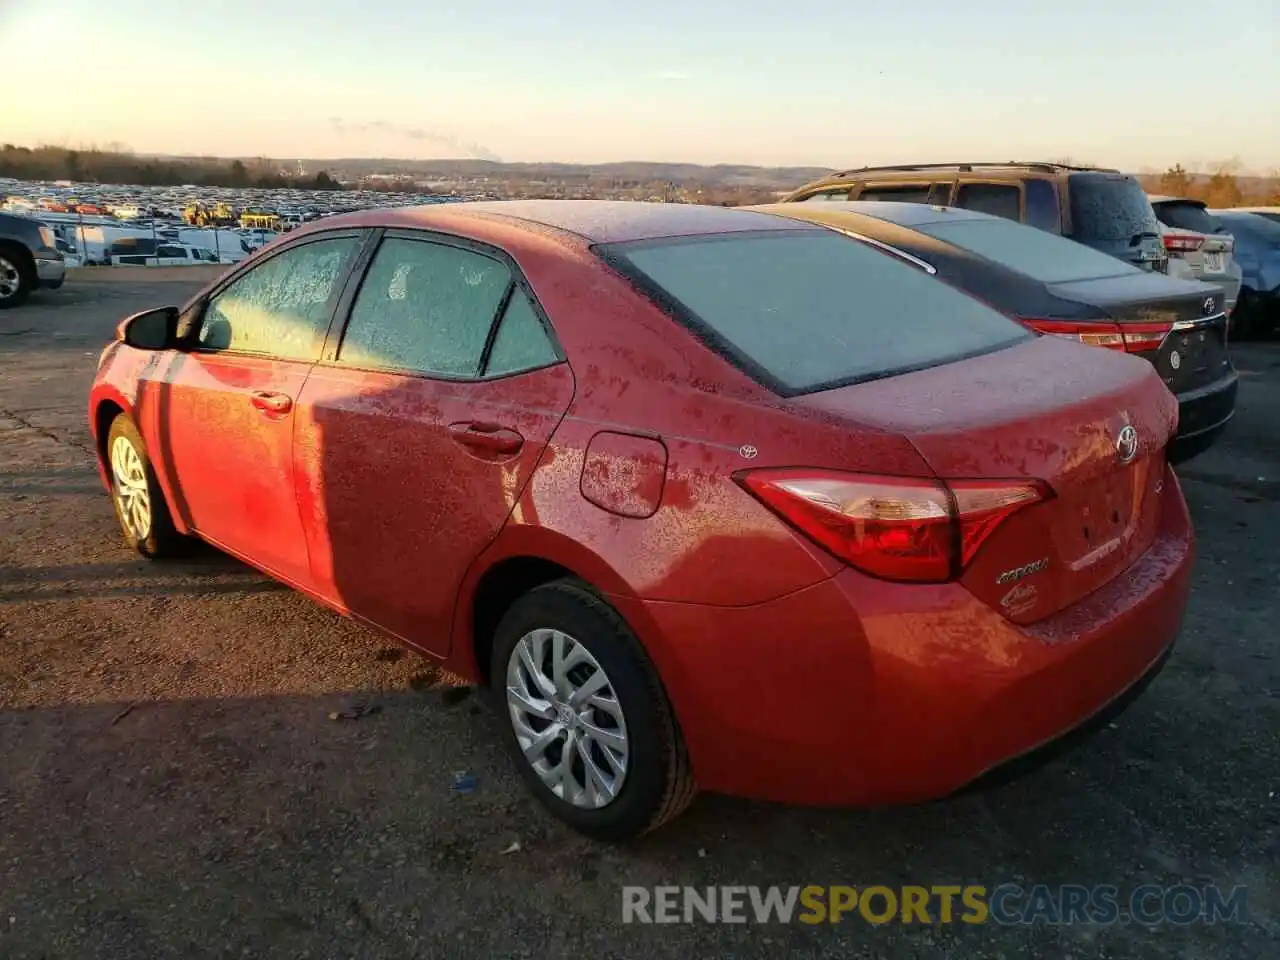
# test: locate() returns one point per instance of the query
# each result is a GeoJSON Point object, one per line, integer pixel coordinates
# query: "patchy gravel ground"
{"type": "Point", "coordinates": [171, 784]}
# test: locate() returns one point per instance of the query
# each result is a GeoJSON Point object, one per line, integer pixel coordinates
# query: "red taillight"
{"type": "Point", "coordinates": [1182, 242]}
{"type": "Point", "coordinates": [896, 528]}
{"type": "Point", "coordinates": [1131, 337]}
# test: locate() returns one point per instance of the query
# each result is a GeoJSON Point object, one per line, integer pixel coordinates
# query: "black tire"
{"type": "Point", "coordinates": [17, 276]}
{"type": "Point", "coordinates": [658, 783]}
{"type": "Point", "coordinates": [161, 538]}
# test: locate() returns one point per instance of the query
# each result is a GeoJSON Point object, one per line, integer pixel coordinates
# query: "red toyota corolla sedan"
{"type": "Point", "coordinates": [711, 499]}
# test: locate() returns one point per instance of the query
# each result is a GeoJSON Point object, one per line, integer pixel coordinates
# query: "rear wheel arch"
{"type": "Point", "coordinates": [498, 588]}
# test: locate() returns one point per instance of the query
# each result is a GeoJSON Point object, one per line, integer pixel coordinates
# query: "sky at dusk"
{"type": "Point", "coordinates": [708, 81]}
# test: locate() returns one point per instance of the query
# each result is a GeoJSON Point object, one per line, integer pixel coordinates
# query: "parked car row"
{"type": "Point", "coordinates": [817, 505]}
{"type": "Point", "coordinates": [1104, 209]}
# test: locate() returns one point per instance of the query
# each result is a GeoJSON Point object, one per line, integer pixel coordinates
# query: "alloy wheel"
{"type": "Point", "coordinates": [567, 718]}
{"type": "Point", "coordinates": [10, 278]}
{"type": "Point", "coordinates": [130, 488]}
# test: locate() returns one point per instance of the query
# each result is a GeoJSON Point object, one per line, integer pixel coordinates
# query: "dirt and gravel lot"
{"type": "Point", "coordinates": [172, 785]}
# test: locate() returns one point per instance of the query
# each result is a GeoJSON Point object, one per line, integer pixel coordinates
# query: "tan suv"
{"type": "Point", "coordinates": [1104, 209]}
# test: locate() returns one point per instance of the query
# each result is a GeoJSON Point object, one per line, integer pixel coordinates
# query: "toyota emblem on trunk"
{"type": "Point", "coordinates": [1127, 444]}
{"type": "Point", "coordinates": [1209, 304]}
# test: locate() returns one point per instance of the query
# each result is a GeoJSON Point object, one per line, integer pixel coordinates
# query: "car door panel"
{"type": "Point", "coordinates": [234, 460]}
{"type": "Point", "coordinates": [415, 441]}
{"type": "Point", "coordinates": [397, 502]}
{"type": "Point", "coordinates": [224, 411]}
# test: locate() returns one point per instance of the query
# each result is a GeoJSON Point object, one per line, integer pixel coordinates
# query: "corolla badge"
{"type": "Point", "coordinates": [1127, 443]}
{"type": "Point", "coordinates": [1209, 304]}
{"type": "Point", "coordinates": [1026, 570]}
{"type": "Point", "coordinates": [1175, 359]}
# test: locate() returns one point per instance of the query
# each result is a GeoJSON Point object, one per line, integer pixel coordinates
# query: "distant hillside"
{"type": "Point", "coordinates": [719, 175]}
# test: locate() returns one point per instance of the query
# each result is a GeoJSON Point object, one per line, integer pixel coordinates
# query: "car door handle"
{"type": "Point", "coordinates": [486, 438]}
{"type": "Point", "coordinates": [276, 403]}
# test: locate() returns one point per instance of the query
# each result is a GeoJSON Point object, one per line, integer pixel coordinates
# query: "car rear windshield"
{"type": "Point", "coordinates": [1108, 207]}
{"type": "Point", "coordinates": [808, 310]}
{"type": "Point", "coordinates": [1187, 216]}
{"type": "Point", "coordinates": [1044, 256]}
{"type": "Point", "coordinates": [1257, 225]}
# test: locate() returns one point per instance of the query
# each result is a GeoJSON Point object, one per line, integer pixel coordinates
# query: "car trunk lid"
{"type": "Point", "coordinates": [1182, 321]}
{"type": "Point", "coordinates": [1048, 411]}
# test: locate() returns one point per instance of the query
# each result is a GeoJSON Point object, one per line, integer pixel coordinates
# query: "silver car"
{"type": "Point", "coordinates": [1199, 246]}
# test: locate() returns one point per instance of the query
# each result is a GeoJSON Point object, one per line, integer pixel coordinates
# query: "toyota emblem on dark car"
{"type": "Point", "coordinates": [1209, 304]}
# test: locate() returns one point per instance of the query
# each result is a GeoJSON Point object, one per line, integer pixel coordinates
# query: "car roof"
{"type": "Point", "coordinates": [596, 221]}
{"type": "Point", "coordinates": [891, 211]}
{"type": "Point", "coordinates": [1011, 167]}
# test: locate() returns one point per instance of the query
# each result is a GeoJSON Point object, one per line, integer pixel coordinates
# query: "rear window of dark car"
{"type": "Point", "coordinates": [1109, 208]}
{"type": "Point", "coordinates": [1044, 256]}
{"type": "Point", "coordinates": [1187, 216]}
{"type": "Point", "coordinates": [807, 310]}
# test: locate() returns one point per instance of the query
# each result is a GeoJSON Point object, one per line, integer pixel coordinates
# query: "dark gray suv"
{"type": "Point", "coordinates": [1104, 209]}
{"type": "Point", "coordinates": [29, 259]}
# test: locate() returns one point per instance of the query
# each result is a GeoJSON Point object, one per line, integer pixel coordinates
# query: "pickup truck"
{"type": "Point", "coordinates": [29, 259]}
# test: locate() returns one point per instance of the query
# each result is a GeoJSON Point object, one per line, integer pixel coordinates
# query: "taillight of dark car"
{"type": "Point", "coordinates": [894, 528]}
{"type": "Point", "coordinates": [1129, 337]}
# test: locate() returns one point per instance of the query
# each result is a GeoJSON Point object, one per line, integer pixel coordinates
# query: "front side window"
{"type": "Point", "coordinates": [280, 307]}
{"type": "Point", "coordinates": [999, 200]}
{"type": "Point", "coordinates": [425, 308]}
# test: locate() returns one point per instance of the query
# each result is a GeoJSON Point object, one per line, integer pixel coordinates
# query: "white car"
{"type": "Point", "coordinates": [1199, 246]}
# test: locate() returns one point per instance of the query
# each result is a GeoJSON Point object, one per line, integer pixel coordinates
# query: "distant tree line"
{"type": "Point", "coordinates": [1222, 188]}
{"type": "Point", "coordinates": [103, 166]}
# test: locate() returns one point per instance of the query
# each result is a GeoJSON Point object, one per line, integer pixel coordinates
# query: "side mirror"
{"type": "Point", "coordinates": [150, 330]}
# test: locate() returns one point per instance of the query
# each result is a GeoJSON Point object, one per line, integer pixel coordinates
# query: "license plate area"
{"type": "Point", "coordinates": [1215, 262]}
{"type": "Point", "coordinates": [1102, 516]}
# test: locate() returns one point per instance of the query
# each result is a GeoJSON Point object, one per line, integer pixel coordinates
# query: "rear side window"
{"type": "Point", "coordinates": [807, 310]}
{"type": "Point", "coordinates": [522, 342]}
{"type": "Point", "coordinates": [1187, 216]}
{"type": "Point", "coordinates": [1109, 208]}
{"type": "Point", "coordinates": [426, 308]}
{"type": "Point", "coordinates": [1042, 205]}
{"type": "Point", "coordinates": [1041, 255]}
{"type": "Point", "coordinates": [915, 193]}
{"type": "Point", "coordinates": [840, 194]}
{"type": "Point", "coordinates": [997, 199]}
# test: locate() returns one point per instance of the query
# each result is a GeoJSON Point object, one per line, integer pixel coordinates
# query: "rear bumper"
{"type": "Point", "coordinates": [1203, 414]}
{"type": "Point", "coordinates": [856, 691]}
